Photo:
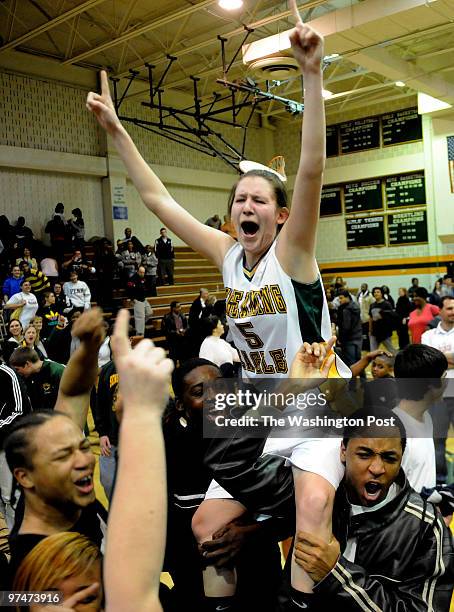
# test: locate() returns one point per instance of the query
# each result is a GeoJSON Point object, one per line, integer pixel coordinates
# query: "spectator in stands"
{"type": "Point", "coordinates": [339, 285]}
{"type": "Point", "coordinates": [164, 252]}
{"type": "Point", "coordinates": [365, 299]}
{"type": "Point", "coordinates": [14, 339]}
{"type": "Point", "coordinates": [403, 309]}
{"type": "Point", "coordinates": [214, 348]}
{"type": "Point", "coordinates": [38, 324]}
{"type": "Point", "coordinates": [27, 256]}
{"type": "Point", "coordinates": [387, 296]}
{"type": "Point", "coordinates": [77, 228]}
{"type": "Point", "coordinates": [414, 286]}
{"type": "Point", "coordinates": [49, 267]}
{"type": "Point", "coordinates": [150, 263]}
{"type": "Point", "coordinates": [105, 350]}
{"type": "Point", "coordinates": [436, 295]}
{"type": "Point", "coordinates": [61, 343]}
{"type": "Point", "coordinates": [381, 392]}
{"type": "Point", "coordinates": [129, 260]}
{"type": "Point", "coordinates": [196, 313]}
{"type": "Point", "coordinates": [350, 332]}
{"type": "Point", "coordinates": [79, 264]}
{"type": "Point", "coordinates": [50, 457]}
{"type": "Point", "coordinates": [49, 313]}
{"type": "Point", "coordinates": [56, 228]}
{"type": "Point", "coordinates": [106, 265]}
{"type": "Point", "coordinates": [66, 562]}
{"type": "Point", "coordinates": [23, 304]}
{"type": "Point", "coordinates": [447, 286]}
{"type": "Point", "coordinates": [381, 322]}
{"type": "Point", "coordinates": [228, 228]}
{"type": "Point", "coordinates": [42, 377]}
{"type": "Point", "coordinates": [39, 281]}
{"type": "Point", "coordinates": [62, 303]}
{"type": "Point", "coordinates": [442, 338]}
{"type": "Point", "coordinates": [59, 212]}
{"type": "Point", "coordinates": [77, 292]}
{"type": "Point", "coordinates": [12, 283]}
{"type": "Point", "coordinates": [214, 221]}
{"type": "Point", "coordinates": [104, 403]}
{"type": "Point", "coordinates": [422, 314]}
{"type": "Point", "coordinates": [137, 292]}
{"type": "Point", "coordinates": [23, 234]}
{"type": "Point", "coordinates": [122, 244]}
{"type": "Point", "coordinates": [174, 325]}
{"type": "Point", "coordinates": [30, 341]}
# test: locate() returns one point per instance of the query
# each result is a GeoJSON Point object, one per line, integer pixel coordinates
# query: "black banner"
{"type": "Point", "coordinates": [365, 232]}
{"type": "Point", "coordinates": [360, 135]}
{"type": "Point", "coordinates": [331, 201]}
{"type": "Point", "coordinates": [407, 228]}
{"type": "Point", "coordinates": [401, 126]}
{"type": "Point", "coordinates": [405, 190]}
{"type": "Point", "coordinates": [363, 196]}
{"type": "Point", "coordinates": [332, 141]}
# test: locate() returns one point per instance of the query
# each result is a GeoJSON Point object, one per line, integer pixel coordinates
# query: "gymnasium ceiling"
{"type": "Point", "coordinates": [379, 42]}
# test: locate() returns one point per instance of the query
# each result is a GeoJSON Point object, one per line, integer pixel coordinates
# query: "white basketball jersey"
{"type": "Point", "coordinates": [270, 315]}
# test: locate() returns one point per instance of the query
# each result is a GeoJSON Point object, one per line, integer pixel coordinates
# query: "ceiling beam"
{"type": "Point", "coordinates": [394, 68]}
{"type": "Point", "coordinates": [177, 15]}
{"type": "Point", "coordinates": [85, 6]}
{"type": "Point", "coordinates": [148, 27]}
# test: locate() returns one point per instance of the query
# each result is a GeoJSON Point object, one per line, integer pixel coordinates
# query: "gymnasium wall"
{"type": "Point", "coordinates": [396, 264]}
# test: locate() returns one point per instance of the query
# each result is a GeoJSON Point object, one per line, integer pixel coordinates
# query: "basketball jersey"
{"type": "Point", "coordinates": [270, 315]}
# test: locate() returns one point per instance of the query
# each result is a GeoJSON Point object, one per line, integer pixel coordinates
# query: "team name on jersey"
{"type": "Point", "coordinates": [266, 301]}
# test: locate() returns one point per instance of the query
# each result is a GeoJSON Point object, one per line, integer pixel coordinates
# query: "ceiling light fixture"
{"type": "Point", "coordinates": [400, 84]}
{"type": "Point", "coordinates": [230, 5]}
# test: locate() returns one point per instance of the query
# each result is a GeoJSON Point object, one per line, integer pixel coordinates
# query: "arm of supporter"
{"type": "Point", "coordinates": [87, 297]}
{"type": "Point", "coordinates": [296, 244]}
{"type": "Point", "coordinates": [155, 196]}
{"type": "Point", "coordinates": [138, 515]}
{"type": "Point", "coordinates": [82, 369]}
{"type": "Point", "coordinates": [14, 302]}
{"type": "Point", "coordinates": [351, 583]}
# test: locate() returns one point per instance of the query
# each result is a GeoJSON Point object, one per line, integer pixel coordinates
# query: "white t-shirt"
{"type": "Point", "coordinates": [30, 308]}
{"type": "Point", "coordinates": [418, 461]}
{"type": "Point", "coordinates": [218, 351]}
{"type": "Point", "coordinates": [442, 340]}
{"type": "Point", "coordinates": [78, 294]}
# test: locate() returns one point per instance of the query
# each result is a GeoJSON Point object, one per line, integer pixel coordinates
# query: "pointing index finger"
{"type": "Point", "coordinates": [105, 89]}
{"type": "Point", "coordinates": [120, 339]}
{"type": "Point", "coordinates": [295, 11]}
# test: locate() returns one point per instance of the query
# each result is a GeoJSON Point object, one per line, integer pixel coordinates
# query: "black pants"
{"type": "Point", "coordinates": [165, 270]}
{"type": "Point", "coordinates": [442, 415]}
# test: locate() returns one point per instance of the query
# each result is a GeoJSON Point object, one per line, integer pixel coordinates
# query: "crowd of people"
{"type": "Point", "coordinates": [367, 518]}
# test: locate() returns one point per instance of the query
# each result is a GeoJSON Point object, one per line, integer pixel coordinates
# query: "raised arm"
{"type": "Point", "coordinates": [296, 245]}
{"type": "Point", "coordinates": [155, 196]}
{"type": "Point", "coordinates": [82, 370]}
{"type": "Point", "coordinates": [138, 515]}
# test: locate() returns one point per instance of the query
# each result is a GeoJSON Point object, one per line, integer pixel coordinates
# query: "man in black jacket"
{"type": "Point", "coordinates": [391, 550]}
{"type": "Point", "coordinates": [137, 291]}
{"type": "Point", "coordinates": [174, 325]}
{"type": "Point", "coordinates": [350, 331]}
{"type": "Point", "coordinates": [164, 252]}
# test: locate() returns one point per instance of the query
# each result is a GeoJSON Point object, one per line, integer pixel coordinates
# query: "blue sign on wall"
{"type": "Point", "coordinates": [120, 212]}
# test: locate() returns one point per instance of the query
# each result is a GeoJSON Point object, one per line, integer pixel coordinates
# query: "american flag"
{"type": "Point", "coordinates": [450, 141]}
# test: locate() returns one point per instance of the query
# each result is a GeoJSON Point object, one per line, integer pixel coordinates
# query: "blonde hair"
{"type": "Point", "coordinates": [24, 342]}
{"type": "Point", "coordinates": [54, 559]}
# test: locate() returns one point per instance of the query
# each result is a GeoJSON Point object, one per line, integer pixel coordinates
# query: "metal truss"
{"type": "Point", "coordinates": [198, 126]}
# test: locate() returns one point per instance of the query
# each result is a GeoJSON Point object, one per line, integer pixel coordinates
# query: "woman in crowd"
{"type": "Point", "coordinates": [422, 315]}
{"type": "Point", "coordinates": [65, 562]}
{"type": "Point", "coordinates": [381, 322]}
{"type": "Point", "coordinates": [404, 307]}
{"type": "Point", "coordinates": [23, 304]}
{"type": "Point", "coordinates": [31, 340]}
{"type": "Point", "coordinates": [387, 295]}
{"type": "Point", "coordinates": [214, 348]}
{"type": "Point", "coordinates": [436, 295]}
{"type": "Point", "coordinates": [27, 256]}
{"type": "Point", "coordinates": [16, 336]}
{"type": "Point", "coordinates": [77, 228]}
